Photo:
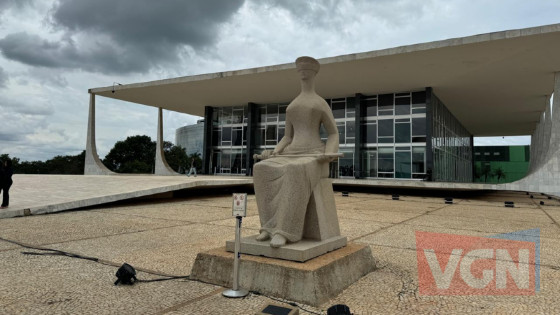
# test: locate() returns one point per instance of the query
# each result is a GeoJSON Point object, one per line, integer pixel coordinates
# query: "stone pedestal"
{"type": "Point", "coordinates": [313, 282]}
{"type": "Point", "coordinates": [300, 251]}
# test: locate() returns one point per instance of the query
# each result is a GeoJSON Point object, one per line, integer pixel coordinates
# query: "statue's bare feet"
{"type": "Point", "coordinates": [278, 241]}
{"type": "Point", "coordinates": [263, 236]}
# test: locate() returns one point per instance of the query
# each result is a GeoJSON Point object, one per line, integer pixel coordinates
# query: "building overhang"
{"type": "Point", "coordinates": [496, 84]}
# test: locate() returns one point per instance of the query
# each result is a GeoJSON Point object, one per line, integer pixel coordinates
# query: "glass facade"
{"type": "Point", "coordinates": [394, 135]}
{"type": "Point", "coordinates": [381, 136]}
{"type": "Point", "coordinates": [452, 146]}
{"type": "Point", "coordinates": [229, 140]}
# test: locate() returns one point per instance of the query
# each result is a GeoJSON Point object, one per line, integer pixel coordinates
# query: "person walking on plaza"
{"type": "Point", "coordinates": [6, 174]}
{"type": "Point", "coordinates": [193, 169]}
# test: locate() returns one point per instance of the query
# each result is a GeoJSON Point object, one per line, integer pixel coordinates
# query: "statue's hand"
{"type": "Point", "coordinates": [326, 159]}
{"type": "Point", "coordinates": [266, 154]}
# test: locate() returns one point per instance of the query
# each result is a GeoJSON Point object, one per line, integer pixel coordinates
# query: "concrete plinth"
{"type": "Point", "coordinates": [300, 251]}
{"type": "Point", "coordinates": [313, 282]}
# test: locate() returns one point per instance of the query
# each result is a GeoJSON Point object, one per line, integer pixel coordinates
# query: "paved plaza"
{"type": "Point", "coordinates": [164, 236]}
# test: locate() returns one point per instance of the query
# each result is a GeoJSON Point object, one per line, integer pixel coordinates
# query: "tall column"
{"type": "Point", "coordinates": [429, 125]}
{"type": "Point", "coordinates": [251, 130]}
{"type": "Point", "coordinates": [161, 168]}
{"type": "Point", "coordinates": [473, 167]}
{"type": "Point", "coordinates": [359, 137]}
{"type": "Point", "coordinates": [552, 144]}
{"type": "Point", "coordinates": [93, 165]}
{"type": "Point", "coordinates": [207, 140]}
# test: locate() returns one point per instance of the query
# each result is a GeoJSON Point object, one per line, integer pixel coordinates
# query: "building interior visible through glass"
{"type": "Point", "coordinates": [395, 136]}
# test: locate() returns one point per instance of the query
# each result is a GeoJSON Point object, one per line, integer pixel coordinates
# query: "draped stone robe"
{"type": "Point", "coordinates": [283, 185]}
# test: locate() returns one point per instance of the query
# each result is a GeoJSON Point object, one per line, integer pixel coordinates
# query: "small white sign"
{"type": "Point", "coordinates": [239, 208]}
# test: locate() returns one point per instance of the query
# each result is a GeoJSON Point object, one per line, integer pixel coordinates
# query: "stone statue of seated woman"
{"type": "Point", "coordinates": [288, 180]}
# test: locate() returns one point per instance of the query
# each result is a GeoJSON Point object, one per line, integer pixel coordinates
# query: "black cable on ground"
{"type": "Point", "coordinates": [56, 252]}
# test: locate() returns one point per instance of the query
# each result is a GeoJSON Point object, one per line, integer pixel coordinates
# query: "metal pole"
{"type": "Point", "coordinates": [236, 292]}
{"type": "Point", "coordinates": [236, 258]}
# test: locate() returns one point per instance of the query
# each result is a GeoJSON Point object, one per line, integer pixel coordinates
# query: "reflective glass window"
{"type": "Point", "coordinates": [226, 115]}
{"type": "Point", "coordinates": [370, 133]}
{"type": "Point", "coordinates": [402, 106]}
{"type": "Point", "coordinates": [402, 133]}
{"type": "Point", "coordinates": [418, 98]}
{"type": "Point", "coordinates": [338, 109]}
{"type": "Point", "coordinates": [226, 134]}
{"type": "Point", "coordinates": [385, 127]}
{"type": "Point", "coordinates": [369, 163]}
{"type": "Point", "coordinates": [341, 132]}
{"type": "Point", "coordinates": [385, 101]}
{"type": "Point", "coordinates": [225, 162]}
{"type": "Point", "coordinates": [346, 165]}
{"type": "Point", "coordinates": [370, 106]}
{"type": "Point", "coordinates": [419, 126]}
{"type": "Point", "coordinates": [281, 131]}
{"type": "Point", "coordinates": [282, 112]}
{"type": "Point", "coordinates": [237, 164]}
{"type": "Point", "coordinates": [402, 165]}
{"type": "Point", "coordinates": [272, 111]}
{"type": "Point", "coordinates": [350, 129]}
{"type": "Point", "coordinates": [418, 159]}
{"type": "Point", "coordinates": [259, 137]}
{"type": "Point", "coordinates": [237, 117]}
{"type": "Point", "coordinates": [271, 134]}
{"type": "Point", "coordinates": [216, 137]}
{"type": "Point", "coordinates": [261, 114]}
{"type": "Point", "coordinates": [385, 160]}
{"type": "Point", "coordinates": [237, 136]}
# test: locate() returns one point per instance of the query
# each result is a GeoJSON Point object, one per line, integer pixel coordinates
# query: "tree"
{"type": "Point", "coordinates": [486, 171]}
{"type": "Point", "coordinates": [176, 156]}
{"type": "Point", "coordinates": [499, 172]}
{"type": "Point", "coordinates": [60, 164]}
{"type": "Point", "coordinates": [477, 172]}
{"type": "Point", "coordinates": [135, 154]}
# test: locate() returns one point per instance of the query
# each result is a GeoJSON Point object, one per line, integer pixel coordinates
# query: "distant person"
{"type": "Point", "coordinates": [6, 182]}
{"type": "Point", "coordinates": [193, 169]}
{"type": "Point", "coordinates": [2, 179]}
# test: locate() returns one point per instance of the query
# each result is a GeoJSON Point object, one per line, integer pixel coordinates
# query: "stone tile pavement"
{"type": "Point", "coordinates": [164, 236]}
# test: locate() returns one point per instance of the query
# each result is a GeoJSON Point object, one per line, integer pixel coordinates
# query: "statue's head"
{"type": "Point", "coordinates": [307, 67]}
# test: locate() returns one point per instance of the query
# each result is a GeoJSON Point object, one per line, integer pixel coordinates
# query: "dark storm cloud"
{"type": "Point", "coordinates": [24, 107]}
{"type": "Point", "coordinates": [3, 77]}
{"type": "Point", "coordinates": [18, 4]}
{"type": "Point", "coordinates": [121, 36]}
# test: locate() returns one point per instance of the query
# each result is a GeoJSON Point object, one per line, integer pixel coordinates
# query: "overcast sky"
{"type": "Point", "coordinates": [52, 52]}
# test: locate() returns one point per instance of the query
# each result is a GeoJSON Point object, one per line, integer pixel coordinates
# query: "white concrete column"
{"type": "Point", "coordinates": [536, 147]}
{"type": "Point", "coordinates": [532, 148]}
{"type": "Point", "coordinates": [93, 165]}
{"type": "Point", "coordinates": [161, 168]}
{"type": "Point", "coordinates": [541, 143]}
{"type": "Point", "coordinates": [545, 177]}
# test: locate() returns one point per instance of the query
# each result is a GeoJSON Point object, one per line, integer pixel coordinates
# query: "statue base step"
{"type": "Point", "coordinates": [313, 282]}
{"type": "Point", "coordinates": [300, 251]}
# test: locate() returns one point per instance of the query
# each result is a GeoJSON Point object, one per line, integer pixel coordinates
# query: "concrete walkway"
{"type": "Point", "coordinates": [37, 194]}
{"type": "Point", "coordinates": [164, 236]}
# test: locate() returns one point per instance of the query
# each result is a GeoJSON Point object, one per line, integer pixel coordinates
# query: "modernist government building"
{"type": "Point", "coordinates": [406, 113]}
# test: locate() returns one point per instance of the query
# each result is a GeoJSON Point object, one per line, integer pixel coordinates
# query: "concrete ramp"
{"type": "Point", "coordinates": [38, 194]}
